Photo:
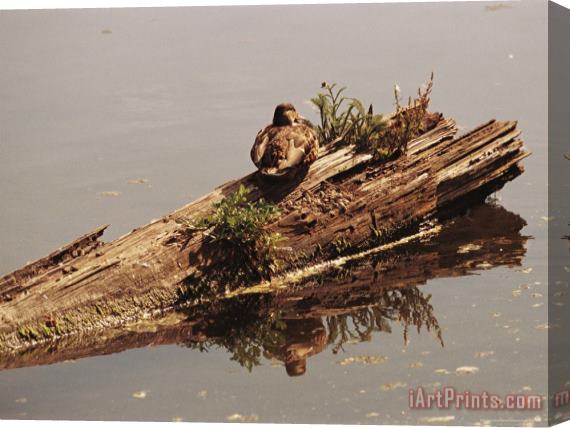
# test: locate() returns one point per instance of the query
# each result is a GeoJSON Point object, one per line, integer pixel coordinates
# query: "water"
{"type": "Point", "coordinates": [95, 98]}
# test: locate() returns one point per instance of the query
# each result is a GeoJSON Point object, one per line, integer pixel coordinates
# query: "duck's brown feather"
{"type": "Point", "coordinates": [280, 148]}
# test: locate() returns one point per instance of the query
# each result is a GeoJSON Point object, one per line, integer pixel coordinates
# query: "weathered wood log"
{"type": "Point", "coordinates": [488, 237]}
{"type": "Point", "coordinates": [26, 277]}
{"type": "Point", "coordinates": [342, 197]}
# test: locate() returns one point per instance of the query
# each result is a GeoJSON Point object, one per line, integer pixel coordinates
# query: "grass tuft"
{"type": "Point", "coordinates": [345, 120]}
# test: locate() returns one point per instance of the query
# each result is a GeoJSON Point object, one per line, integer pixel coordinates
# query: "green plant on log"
{"type": "Point", "coordinates": [409, 121]}
{"type": "Point", "coordinates": [238, 229]}
{"type": "Point", "coordinates": [28, 333]}
{"type": "Point", "coordinates": [345, 120]}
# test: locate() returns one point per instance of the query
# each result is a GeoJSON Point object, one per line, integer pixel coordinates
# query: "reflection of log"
{"type": "Point", "coordinates": [343, 194]}
{"type": "Point", "coordinates": [486, 237]}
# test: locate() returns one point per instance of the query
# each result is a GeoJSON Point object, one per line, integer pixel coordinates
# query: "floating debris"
{"type": "Point", "coordinates": [441, 371]}
{"type": "Point", "coordinates": [496, 314]}
{"type": "Point", "coordinates": [372, 415]}
{"type": "Point", "coordinates": [526, 270]}
{"type": "Point", "coordinates": [236, 417]}
{"type": "Point", "coordinates": [547, 219]}
{"type": "Point", "coordinates": [484, 354]}
{"type": "Point", "coordinates": [21, 400]}
{"type": "Point", "coordinates": [537, 305]}
{"type": "Point", "coordinates": [437, 419]}
{"type": "Point", "coordinates": [416, 365]}
{"type": "Point", "coordinates": [468, 248]}
{"type": "Point", "coordinates": [546, 326]}
{"type": "Point", "coordinates": [138, 181]}
{"type": "Point", "coordinates": [110, 193]}
{"type": "Point", "coordinates": [363, 359]}
{"type": "Point", "coordinates": [484, 265]}
{"type": "Point", "coordinates": [203, 394]}
{"type": "Point", "coordinates": [392, 386]}
{"type": "Point", "coordinates": [516, 293]}
{"type": "Point", "coordinates": [177, 419]}
{"type": "Point", "coordinates": [140, 394]}
{"type": "Point", "coordinates": [536, 296]}
{"type": "Point", "coordinates": [466, 370]}
{"type": "Point", "coordinates": [496, 7]}
{"type": "Point", "coordinates": [530, 422]}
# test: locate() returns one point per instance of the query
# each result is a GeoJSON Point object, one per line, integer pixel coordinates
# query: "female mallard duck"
{"type": "Point", "coordinates": [286, 146]}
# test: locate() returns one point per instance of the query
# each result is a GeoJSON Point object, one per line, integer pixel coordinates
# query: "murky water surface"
{"type": "Point", "coordinates": [172, 98]}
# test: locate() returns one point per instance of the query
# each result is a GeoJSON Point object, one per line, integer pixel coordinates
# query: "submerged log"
{"type": "Point", "coordinates": [344, 197]}
{"type": "Point", "coordinates": [485, 238]}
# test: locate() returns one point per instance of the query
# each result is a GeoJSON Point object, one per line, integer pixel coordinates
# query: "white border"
{"type": "Point", "coordinates": [78, 4]}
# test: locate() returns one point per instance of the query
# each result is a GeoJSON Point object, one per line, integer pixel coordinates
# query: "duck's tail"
{"type": "Point", "coordinates": [278, 173]}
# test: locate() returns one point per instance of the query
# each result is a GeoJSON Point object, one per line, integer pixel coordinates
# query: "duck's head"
{"type": "Point", "coordinates": [285, 114]}
{"type": "Point", "coordinates": [296, 367]}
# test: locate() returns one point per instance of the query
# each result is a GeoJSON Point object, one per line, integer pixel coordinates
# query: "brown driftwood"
{"type": "Point", "coordinates": [487, 237]}
{"type": "Point", "coordinates": [342, 197]}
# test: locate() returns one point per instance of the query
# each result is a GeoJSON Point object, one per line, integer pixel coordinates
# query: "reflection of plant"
{"type": "Point", "coordinates": [409, 306]}
{"type": "Point", "coordinates": [246, 349]}
{"type": "Point", "coordinates": [246, 330]}
{"type": "Point", "coordinates": [239, 227]}
{"type": "Point", "coordinates": [345, 120]}
{"type": "Point", "coordinates": [241, 330]}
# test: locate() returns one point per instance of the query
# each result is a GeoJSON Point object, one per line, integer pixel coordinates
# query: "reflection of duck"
{"type": "Point", "coordinates": [286, 146]}
{"type": "Point", "coordinates": [303, 338]}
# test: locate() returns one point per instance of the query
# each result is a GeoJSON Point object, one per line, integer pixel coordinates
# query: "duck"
{"type": "Point", "coordinates": [286, 146]}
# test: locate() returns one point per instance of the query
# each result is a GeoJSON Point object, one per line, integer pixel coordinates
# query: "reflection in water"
{"type": "Point", "coordinates": [252, 326]}
{"type": "Point", "coordinates": [303, 339]}
{"type": "Point", "coordinates": [326, 310]}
